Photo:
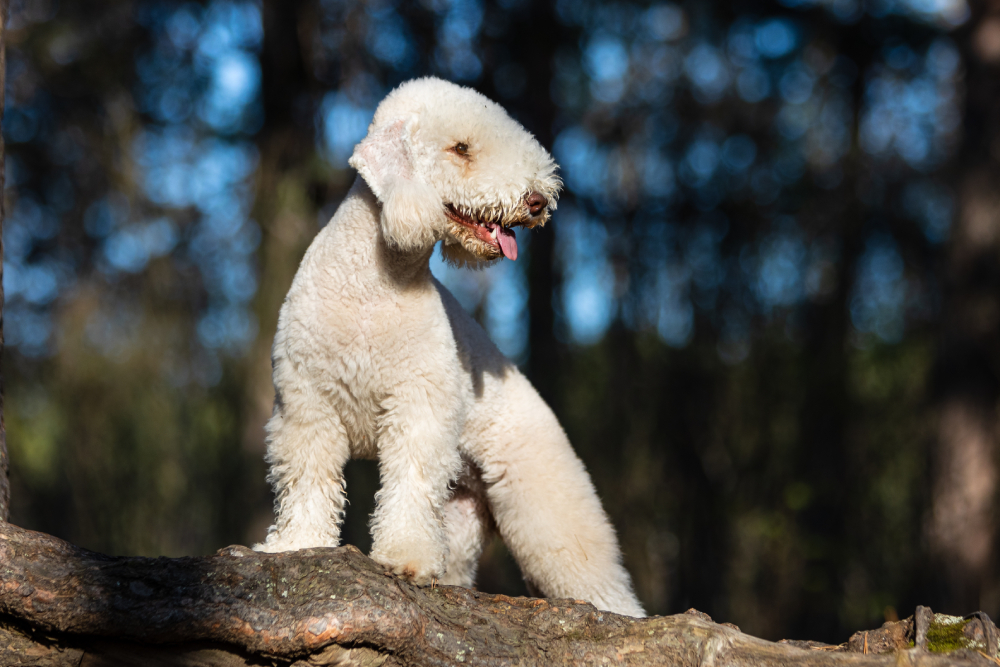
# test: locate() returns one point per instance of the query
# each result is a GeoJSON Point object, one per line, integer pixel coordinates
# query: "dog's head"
{"type": "Point", "coordinates": [448, 164]}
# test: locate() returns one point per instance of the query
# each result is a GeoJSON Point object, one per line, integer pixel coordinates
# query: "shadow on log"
{"type": "Point", "coordinates": [62, 605]}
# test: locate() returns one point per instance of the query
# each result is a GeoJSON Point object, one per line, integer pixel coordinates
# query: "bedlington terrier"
{"type": "Point", "coordinates": [374, 358]}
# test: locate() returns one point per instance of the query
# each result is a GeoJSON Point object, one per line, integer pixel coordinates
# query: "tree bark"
{"type": "Point", "coordinates": [283, 208]}
{"type": "Point", "coordinates": [961, 525]}
{"type": "Point", "coordinates": [4, 462]}
{"type": "Point", "coordinates": [544, 351]}
{"type": "Point", "coordinates": [62, 605]}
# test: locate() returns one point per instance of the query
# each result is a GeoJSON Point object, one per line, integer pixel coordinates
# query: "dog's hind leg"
{"type": "Point", "coordinates": [546, 508]}
{"type": "Point", "coordinates": [467, 526]}
{"type": "Point", "coordinates": [307, 448]}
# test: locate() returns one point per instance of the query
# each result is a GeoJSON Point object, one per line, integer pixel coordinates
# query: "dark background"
{"type": "Point", "coordinates": [767, 310]}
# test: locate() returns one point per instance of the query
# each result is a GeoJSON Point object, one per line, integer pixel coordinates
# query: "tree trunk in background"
{"type": "Point", "coordinates": [961, 524]}
{"type": "Point", "coordinates": [283, 207]}
{"type": "Point", "coordinates": [4, 462]}
{"type": "Point", "coordinates": [824, 461]}
{"type": "Point", "coordinates": [537, 55]}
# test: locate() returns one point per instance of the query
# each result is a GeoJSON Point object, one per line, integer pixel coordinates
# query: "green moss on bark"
{"type": "Point", "coordinates": [945, 635]}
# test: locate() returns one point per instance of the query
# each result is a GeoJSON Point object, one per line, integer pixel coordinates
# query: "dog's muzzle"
{"type": "Point", "coordinates": [499, 234]}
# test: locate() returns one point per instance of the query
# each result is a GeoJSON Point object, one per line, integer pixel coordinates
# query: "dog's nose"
{"type": "Point", "coordinates": [536, 202]}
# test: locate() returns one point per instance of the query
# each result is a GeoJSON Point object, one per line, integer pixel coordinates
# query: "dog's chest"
{"type": "Point", "coordinates": [375, 346]}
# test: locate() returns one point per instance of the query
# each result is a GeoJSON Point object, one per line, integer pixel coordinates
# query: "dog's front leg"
{"type": "Point", "coordinates": [418, 457]}
{"type": "Point", "coordinates": [307, 447]}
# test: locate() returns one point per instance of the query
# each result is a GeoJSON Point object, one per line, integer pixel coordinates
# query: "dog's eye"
{"type": "Point", "coordinates": [461, 149]}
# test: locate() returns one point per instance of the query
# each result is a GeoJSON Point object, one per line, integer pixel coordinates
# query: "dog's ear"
{"type": "Point", "coordinates": [411, 208]}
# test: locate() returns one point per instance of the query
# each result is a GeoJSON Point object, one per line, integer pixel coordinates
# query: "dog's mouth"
{"type": "Point", "coordinates": [496, 235]}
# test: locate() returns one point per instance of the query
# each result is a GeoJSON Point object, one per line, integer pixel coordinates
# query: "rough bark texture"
{"type": "Point", "coordinates": [62, 605]}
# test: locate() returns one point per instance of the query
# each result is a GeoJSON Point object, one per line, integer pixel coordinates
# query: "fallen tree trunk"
{"type": "Point", "coordinates": [62, 605]}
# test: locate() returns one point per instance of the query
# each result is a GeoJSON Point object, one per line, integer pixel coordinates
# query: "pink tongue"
{"type": "Point", "coordinates": [508, 242]}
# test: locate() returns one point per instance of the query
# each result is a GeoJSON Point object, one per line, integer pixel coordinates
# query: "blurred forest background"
{"type": "Point", "coordinates": [767, 310]}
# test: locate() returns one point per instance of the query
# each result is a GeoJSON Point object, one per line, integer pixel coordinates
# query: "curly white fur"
{"type": "Point", "coordinates": [374, 358]}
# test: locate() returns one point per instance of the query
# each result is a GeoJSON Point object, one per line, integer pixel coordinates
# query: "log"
{"type": "Point", "coordinates": [63, 605]}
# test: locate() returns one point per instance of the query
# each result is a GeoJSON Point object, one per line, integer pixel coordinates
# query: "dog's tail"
{"type": "Point", "coordinates": [546, 508]}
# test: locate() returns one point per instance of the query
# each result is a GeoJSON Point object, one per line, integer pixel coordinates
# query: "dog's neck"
{"type": "Point", "coordinates": [404, 267]}
{"type": "Point", "coordinates": [360, 234]}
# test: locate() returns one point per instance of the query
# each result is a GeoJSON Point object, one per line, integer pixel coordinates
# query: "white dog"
{"type": "Point", "coordinates": [373, 358]}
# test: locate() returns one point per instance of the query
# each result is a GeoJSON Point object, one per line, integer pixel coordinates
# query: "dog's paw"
{"type": "Point", "coordinates": [287, 541]}
{"type": "Point", "coordinates": [422, 564]}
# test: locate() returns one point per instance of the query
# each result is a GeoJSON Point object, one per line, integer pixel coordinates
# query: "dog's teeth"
{"type": "Point", "coordinates": [494, 233]}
